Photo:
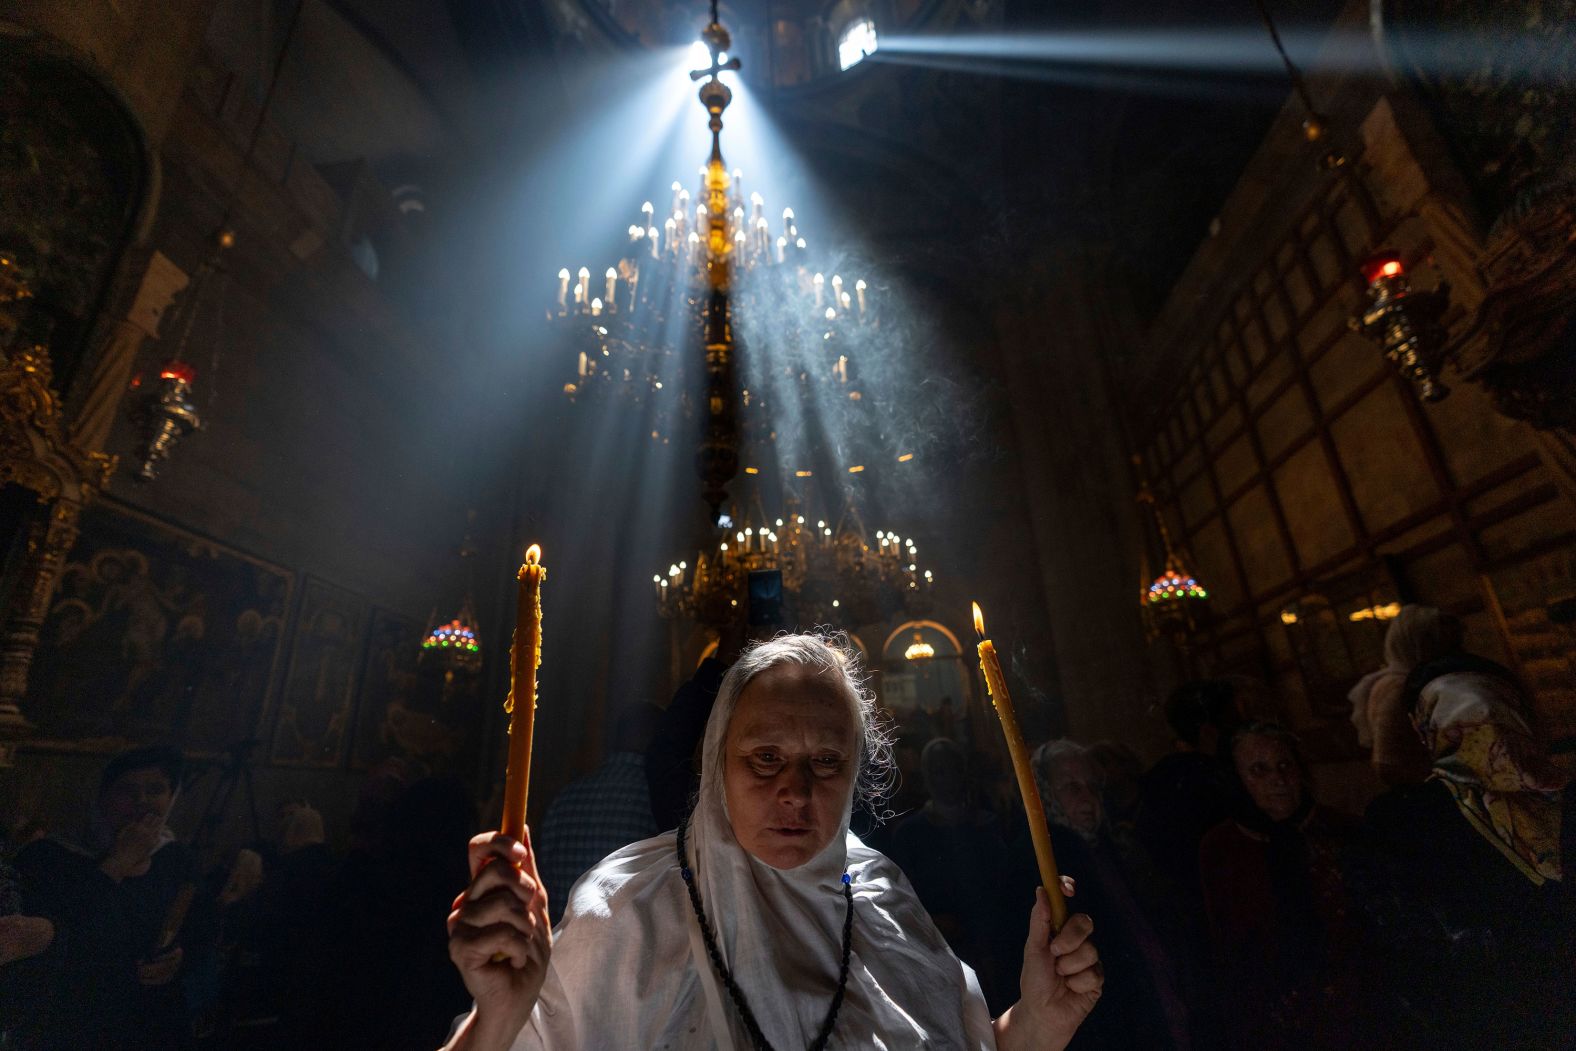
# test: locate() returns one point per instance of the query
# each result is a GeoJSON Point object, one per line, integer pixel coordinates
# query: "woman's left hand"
{"type": "Point", "coordinates": [1061, 982]}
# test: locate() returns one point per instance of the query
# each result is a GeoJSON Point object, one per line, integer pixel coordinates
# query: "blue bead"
{"type": "Point", "coordinates": [846, 879]}
{"type": "Point", "coordinates": [686, 874]}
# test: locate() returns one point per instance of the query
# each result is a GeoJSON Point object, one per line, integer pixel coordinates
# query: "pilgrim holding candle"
{"type": "Point", "coordinates": [761, 921]}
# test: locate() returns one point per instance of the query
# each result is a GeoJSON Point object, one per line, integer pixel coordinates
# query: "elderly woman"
{"type": "Point", "coordinates": [1279, 911]}
{"type": "Point", "coordinates": [761, 922]}
{"type": "Point", "coordinates": [1144, 1005]}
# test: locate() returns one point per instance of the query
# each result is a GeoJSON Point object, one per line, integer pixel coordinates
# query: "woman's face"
{"type": "Point", "coordinates": [1075, 784]}
{"type": "Point", "coordinates": [790, 758]}
{"type": "Point", "coordinates": [1269, 772]}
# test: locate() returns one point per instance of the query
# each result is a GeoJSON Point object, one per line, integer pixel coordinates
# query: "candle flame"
{"type": "Point", "coordinates": [533, 555]}
{"type": "Point", "coordinates": [979, 620]}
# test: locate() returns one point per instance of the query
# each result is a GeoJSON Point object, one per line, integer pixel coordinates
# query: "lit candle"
{"type": "Point", "coordinates": [782, 248]}
{"type": "Point", "coordinates": [819, 282]}
{"type": "Point", "coordinates": [524, 657]}
{"type": "Point", "coordinates": [646, 212]}
{"type": "Point", "coordinates": [580, 293]}
{"type": "Point", "coordinates": [612, 282]}
{"type": "Point", "coordinates": [596, 308]}
{"type": "Point", "coordinates": [651, 235]}
{"type": "Point", "coordinates": [859, 289]}
{"type": "Point", "coordinates": [996, 684]}
{"type": "Point", "coordinates": [837, 289]}
{"type": "Point", "coordinates": [670, 229]}
{"type": "Point", "coordinates": [563, 287]}
{"type": "Point", "coordinates": [585, 285]}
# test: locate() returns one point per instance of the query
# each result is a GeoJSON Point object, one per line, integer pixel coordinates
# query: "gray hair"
{"type": "Point", "coordinates": [1053, 754]}
{"type": "Point", "coordinates": [831, 655]}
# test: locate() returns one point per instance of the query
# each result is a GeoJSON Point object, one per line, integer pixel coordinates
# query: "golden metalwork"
{"type": "Point", "coordinates": [35, 455]}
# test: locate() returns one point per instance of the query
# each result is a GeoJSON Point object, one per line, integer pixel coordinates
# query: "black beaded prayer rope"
{"type": "Point", "coordinates": [756, 1036]}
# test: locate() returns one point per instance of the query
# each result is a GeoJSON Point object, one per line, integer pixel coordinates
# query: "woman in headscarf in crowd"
{"type": "Point", "coordinates": [1143, 1004]}
{"type": "Point", "coordinates": [761, 922]}
{"type": "Point", "coordinates": [1480, 907]}
{"type": "Point", "coordinates": [1417, 636]}
{"type": "Point", "coordinates": [118, 900]}
{"type": "Point", "coordinates": [1278, 908]}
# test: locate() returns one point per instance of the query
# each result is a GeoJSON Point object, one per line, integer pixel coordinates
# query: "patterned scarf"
{"type": "Point", "coordinates": [1486, 754]}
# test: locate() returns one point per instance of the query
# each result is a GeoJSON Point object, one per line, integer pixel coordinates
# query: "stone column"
{"type": "Point", "coordinates": [90, 431]}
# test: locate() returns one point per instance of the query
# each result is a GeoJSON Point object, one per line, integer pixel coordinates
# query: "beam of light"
{"type": "Point", "coordinates": [1232, 50]}
{"type": "Point", "coordinates": [1112, 78]}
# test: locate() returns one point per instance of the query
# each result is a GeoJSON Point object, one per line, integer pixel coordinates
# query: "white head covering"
{"type": "Point", "coordinates": [1417, 635]}
{"type": "Point", "coordinates": [630, 969]}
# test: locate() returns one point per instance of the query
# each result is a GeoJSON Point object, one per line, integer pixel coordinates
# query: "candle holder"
{"type": "Point", "coordinates": [168, 415]}
{"type": "Point", "coordinates": [1405, 323]}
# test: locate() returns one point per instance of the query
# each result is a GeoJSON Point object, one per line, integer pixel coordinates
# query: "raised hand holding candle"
{"type": "Point", "coordinates": [524, 657]}
{"type": "Point", "coordinates": [996, 684]}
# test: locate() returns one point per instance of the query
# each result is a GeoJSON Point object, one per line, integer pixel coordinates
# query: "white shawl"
{"type": "Point", "coordinates": [629, 969]}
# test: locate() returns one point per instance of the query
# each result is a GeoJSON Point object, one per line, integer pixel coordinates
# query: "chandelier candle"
{"type": "Point", "coordinates": [1041, 833]}
{"type": "Point", "coordinates": [524, 658]}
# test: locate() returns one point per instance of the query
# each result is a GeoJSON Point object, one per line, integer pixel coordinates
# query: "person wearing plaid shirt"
{"type": "Point", "coordinates": [607, 809]}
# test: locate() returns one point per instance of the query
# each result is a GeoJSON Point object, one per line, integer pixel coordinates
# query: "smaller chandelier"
{"type": "Point", "coordinates": [1174, 604]}
{"type": "Point", "coordinates": [830, 574]}
{"type": "Point", "coordinates": [919, 649]}
{"type": "Point", "coordinates": [455, 646]}
{"type": "Point", "coordinates": [1175, 585]}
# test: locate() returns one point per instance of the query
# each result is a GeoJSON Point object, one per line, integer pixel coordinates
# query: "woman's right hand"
{"type": "Point", "coordinates": [500, 938]}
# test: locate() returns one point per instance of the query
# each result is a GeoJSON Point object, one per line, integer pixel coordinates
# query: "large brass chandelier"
{"type": "Point", "coordinates": [831, 573]}
{"type": "Point", "coordinates": [613, 329]}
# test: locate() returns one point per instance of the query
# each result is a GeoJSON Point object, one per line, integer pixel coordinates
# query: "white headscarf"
{"type": "Point", "coordinates": [1417, 635]}
{"type": "Point", "coordinates": [630, 970]}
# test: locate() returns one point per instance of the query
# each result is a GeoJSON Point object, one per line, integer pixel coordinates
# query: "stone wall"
{"type": "Point", "coordinates": [325, 478]}
{"type": "Point", "coordinates": [1309, 485]}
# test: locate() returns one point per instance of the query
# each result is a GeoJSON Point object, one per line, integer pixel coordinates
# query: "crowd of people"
{"type": "Point", "coordinates": [1230, 908]}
